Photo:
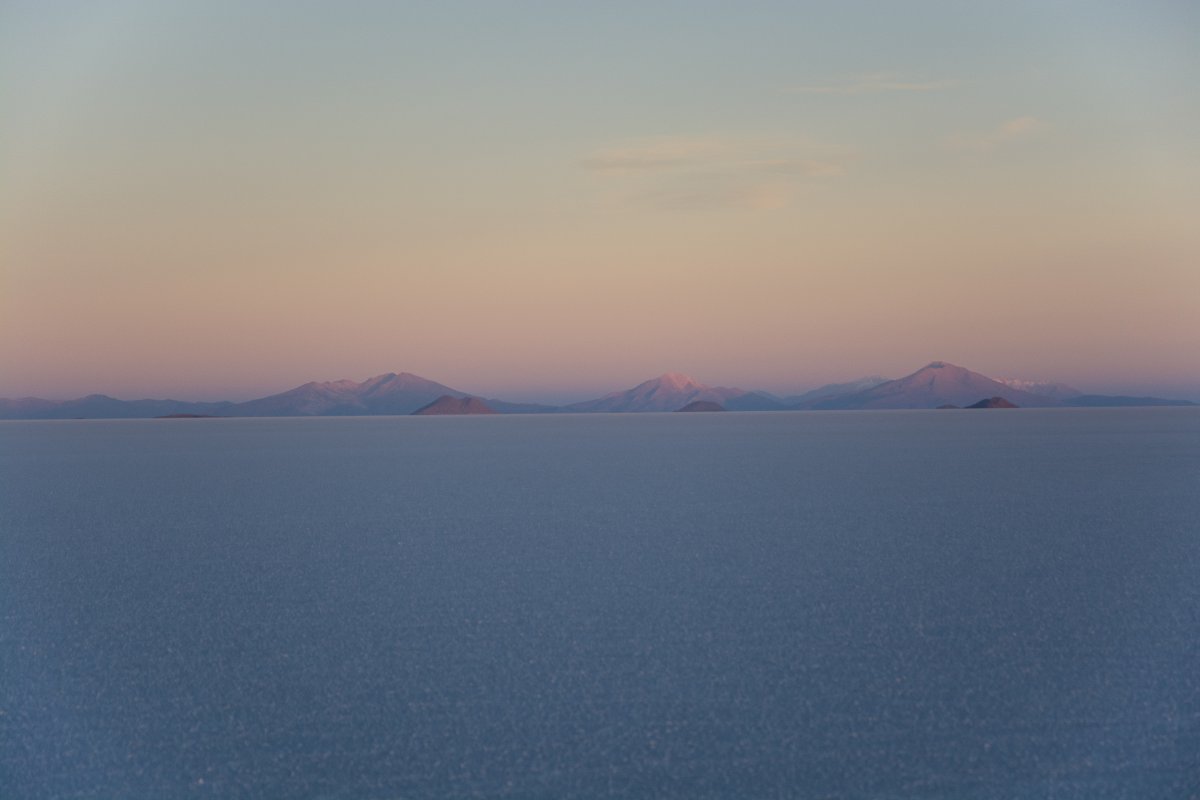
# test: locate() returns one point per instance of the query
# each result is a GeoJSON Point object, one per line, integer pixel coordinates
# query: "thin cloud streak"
{"type": "Point", "coordinates": [875, 83]}
{"type": "Point", "coordinates": [659, 153]}
{"type": "Point", "coordinates": [1010, 132]}
{"type": "Point", "coordinates": [692, 172]}
{"type": "Point", "coordinates": [809, 168]}
{"type": "Point", "coordinates": [792, 155]}
{"type": "Point", "coordinates": [719, 192]}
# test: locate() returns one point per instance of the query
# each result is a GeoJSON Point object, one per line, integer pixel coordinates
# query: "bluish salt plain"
{"type": "Point", "coordinates": [952, 604]}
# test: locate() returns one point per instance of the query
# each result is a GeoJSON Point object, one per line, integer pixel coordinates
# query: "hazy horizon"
{"type": "Point", "coordinates": [546, 392]}
{"type": "Point", "coordinates": [549, 202]}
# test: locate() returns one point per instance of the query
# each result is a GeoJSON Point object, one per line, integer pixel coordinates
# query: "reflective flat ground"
{"type": "Point", "coordinates": [952, 604]}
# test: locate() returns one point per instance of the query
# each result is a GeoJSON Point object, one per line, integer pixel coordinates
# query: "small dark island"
{"type": "Point", "coordinates": [993, 402]}
{"type": "Point", "coordinates": [188, 416]}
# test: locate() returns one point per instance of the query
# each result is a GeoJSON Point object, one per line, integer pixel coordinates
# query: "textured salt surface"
{"type": "Point", "coordinates": [861, 604]}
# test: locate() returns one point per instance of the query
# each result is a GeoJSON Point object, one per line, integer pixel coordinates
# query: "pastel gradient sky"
{"type": "Point", "coordinates": [225, 199]}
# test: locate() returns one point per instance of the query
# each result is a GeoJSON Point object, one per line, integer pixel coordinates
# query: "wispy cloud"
{"type": "Point", "coordinates": [696, 153]}
{"type": "Point", "coordinates": [714, 171]}
{"type": "Point", "coordinates": [1014, 130]}
{"type": "Point", "coordinates": [874, 83]}
{"type": "Point", "coordinates": [718, 192]}
{"type": "Point", "coordinates": [659, 153]}
{"type": "Point", "coordinates": [808, 167]}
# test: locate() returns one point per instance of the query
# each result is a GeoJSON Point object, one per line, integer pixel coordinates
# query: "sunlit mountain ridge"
{"type": "Point", "coordinates": [939, 383]}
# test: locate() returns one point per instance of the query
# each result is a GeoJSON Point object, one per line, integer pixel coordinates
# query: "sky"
{"type": "Point", "coordinates": [551, 200]}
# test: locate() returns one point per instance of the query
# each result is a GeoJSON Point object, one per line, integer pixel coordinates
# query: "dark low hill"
{"type": "Point", "coordinates": [993, 402]}
{"type": "Point", "coordinates": [450, 405]}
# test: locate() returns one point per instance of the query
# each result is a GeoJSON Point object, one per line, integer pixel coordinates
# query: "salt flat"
{"type": "Point", "coordinates": [984, 604]}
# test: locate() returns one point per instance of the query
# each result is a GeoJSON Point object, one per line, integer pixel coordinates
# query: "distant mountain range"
{"type": "Point", "coordinates": [931, 386]}
{"type": "Point", "coordinates": [392, 393]}
{"type": "Point", "coordinates": [99, 406]}
{"type": "Point", "coordinates": [831, 390]}
{"type": "Point", "coordinates": [934, 385]}
{"type": "Point", "coordinates": [673, 391]}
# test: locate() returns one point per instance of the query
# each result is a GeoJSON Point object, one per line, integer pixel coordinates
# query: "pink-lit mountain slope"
{"type": "Point", "coordinates": [673, 391]}
{"type": "Point", "coordinates": [934, 385]}
{"type": "Point", "coordinates": [1051, 389]}
{"type": "Point", "coordinates": [831, 390]}
{"type": "Point", "coordinates": [392, 393]}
